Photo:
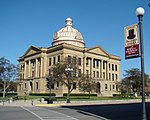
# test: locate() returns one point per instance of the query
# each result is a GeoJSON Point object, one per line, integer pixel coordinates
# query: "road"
{"type": "Point", "coordinates": [77, 112]}
{"type": "Point", "coordinates": [111, 111]}
{"type": "Point", "coordinates": [31, 113]}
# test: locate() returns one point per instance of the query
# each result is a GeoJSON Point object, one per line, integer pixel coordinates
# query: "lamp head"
{"type": "Point", "coordinates": [140, 11]}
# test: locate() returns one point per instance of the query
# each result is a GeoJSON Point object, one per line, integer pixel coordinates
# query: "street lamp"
{"type": "Point", "coordinates": [50, 80]}
{"type": "Point", "coordinates": [68, 70]}
{"type": "Point", "coordinates": [140, 13]}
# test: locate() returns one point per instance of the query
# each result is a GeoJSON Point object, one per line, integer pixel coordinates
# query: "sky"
{"type": "Point", "coordinates": [33, 22]}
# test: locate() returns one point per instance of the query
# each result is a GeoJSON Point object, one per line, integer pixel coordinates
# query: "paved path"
{"type": "Point", "coordinates": [37, 102]}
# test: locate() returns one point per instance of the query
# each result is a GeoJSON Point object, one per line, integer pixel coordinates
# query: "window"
{"type": "Point", "coordinates": [32, 74]}
{"type": "Point", "coordinates": [97, 63]}
{"type": "Point", "coordinates": [109, 76]}
{"type": "Point", "coordinates": [20, 87]}
{"type": "Point", "coordinates": [115, 67]}
{"type": "Point", "coordinates": [112, 77]}
{"type": "Point", "coordinates": [103, 64]}
{"type": "Point", "coordinates": [37, 86]}
{"type": "Point", "coordinates": [25, 85]}
{"type": "Point", "coordinates": [74, 85]}
{"type": "Point", "coordinates": [33, 63]}
{"type": "Point", "coordinates": [79, 72]}
{"type": "Point", "coordinates": [93, 63]}
{"type": "Point", "coordinates": [57, 84]}
{"type": "Point", "coordinates": [97, 74]}
{"type": "Point", "coordinates": [116, 87]}
{"type": "Point", "coordinates": [50, 61]}
{"type": "Point", "coordinates": [113, 87]}
{"type": "Point", "coordinates": [105, 86]}
{"type": "Point", "coordinates": [69, 59]}
{"type": "Point", "coordinates": [87, 62]}
{"type": "Point", "coordinates": [104, 75]}
{"type": "Point", "coordinates": [112, 67]}
{"type": "Point", "coordinates": [59, 58]}
{"type": "Point", "coordinates": [109, 66]}
{"type": "Point", "coordinates": [39, 71]}
{"type": "Point", "coordinates": [50, 72]}
{"type": "Point", "coordinates": [87, 72]}
{"type": "Point", "coordinates": [54, 60]}
{"type": "Point", "coordinates": [23, 75]}
{"type": "Point", "coordinates": [79, 61]}
{"type": "Point", "coordinates": [116, 77]}
{"type": "Point", "coordinates": [74, 61]}
{"type": "Point", "coordinates": [93, 73]}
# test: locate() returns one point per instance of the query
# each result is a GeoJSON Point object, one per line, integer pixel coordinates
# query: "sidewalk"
{"type": "Point", "coordinates": [20, 103]}
{"type": "Point", "coordinates": [36, 102]}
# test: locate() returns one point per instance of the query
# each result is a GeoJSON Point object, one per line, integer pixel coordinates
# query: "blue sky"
{"type": "Point", "coordinates": [33, 22]}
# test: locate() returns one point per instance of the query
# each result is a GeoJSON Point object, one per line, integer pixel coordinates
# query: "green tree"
{"type": "Point", "coordinates": [132, 80]}
{"type": "Point", "coordinates": [8, 73]}
{"type": "Point", "coordinates": [86, 84]}
{"type": "Point", "coordinates": [61, 75]}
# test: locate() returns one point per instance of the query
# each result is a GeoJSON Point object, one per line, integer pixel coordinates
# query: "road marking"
{"type": "Point", "coordinates": [102, 118]}
{"type": "Point", "coordinates": [31, 112]}
{"type": "Point", "coordinates": [46, 114]}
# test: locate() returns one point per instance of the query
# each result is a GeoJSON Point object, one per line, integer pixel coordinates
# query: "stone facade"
{"type": "Point", "coordinates": [36, 63]}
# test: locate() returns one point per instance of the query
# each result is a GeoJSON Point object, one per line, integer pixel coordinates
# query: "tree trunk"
{"type": "Point", "coordinates": [89, 94]}
{"type": "Point", "coordinates": [4, 89]}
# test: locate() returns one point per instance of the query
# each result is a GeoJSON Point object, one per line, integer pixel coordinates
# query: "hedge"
{"type": "Point", "coordinates": [42, 94]}
{"type": "Point", "coordinates": [79, 94]}
{"type": "Point", "coordinates": [123, 95]}
{"type": "Point", "coordinates": [8, 94]}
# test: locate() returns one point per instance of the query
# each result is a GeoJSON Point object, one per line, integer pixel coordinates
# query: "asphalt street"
{"type": "Point", "coordinates": [31, 113]}
{"type": "Point", "coordinates": [120, 111]}
{"type": "Point", "coordinates": [130, 111]}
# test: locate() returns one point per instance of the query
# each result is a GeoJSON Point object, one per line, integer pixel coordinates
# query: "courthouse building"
{"type": "Point", "coordinates": [36, 63]}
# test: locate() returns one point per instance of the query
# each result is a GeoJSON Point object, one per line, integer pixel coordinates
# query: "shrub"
{"type": "Point", "coordinates": [117, 95]}
{"type": "Point", "coordinates": [79, 94]}
{"type": "Point", "coordinates": [123, 95]}
{"type": "Point", "coordinates": [8, 94]}
{"type": "Point", "coordinates": [42, 94]}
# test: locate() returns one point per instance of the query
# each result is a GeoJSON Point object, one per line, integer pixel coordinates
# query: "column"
{"type": "Point", "coordinates": [89, 64]}
{"type": "Point", "coordinates": [91, 67]}
{"type": "Point", "coordinates": [41, 67]}
{"type": "Point", "coordinates": [36, 67]}
{"type": "Point", "coordinates": [84, 65]}
{"type": "Point", "coordinates": [45, 65]}
{"type": "Point", "coordinates": [107, 65]}
{"type": "Point", "coordinates": [101, 69]}
{"type": "Point", "coordinates": [29, 68]}
{"type": "Point", "coordinates": [25, 70]}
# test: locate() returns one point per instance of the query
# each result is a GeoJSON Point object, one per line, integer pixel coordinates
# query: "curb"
{"type": "Point", "coordinates": [48, 105]}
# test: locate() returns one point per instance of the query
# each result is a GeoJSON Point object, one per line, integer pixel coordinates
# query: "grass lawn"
{"type": "Point", "coordinates": [73, 98]}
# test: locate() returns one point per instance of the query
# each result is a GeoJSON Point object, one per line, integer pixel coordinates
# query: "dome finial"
{"type": "Point", "coordinates": [68, 22]}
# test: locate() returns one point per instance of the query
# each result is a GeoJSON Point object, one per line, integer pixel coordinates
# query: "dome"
{"type": "Point", "coordinates": [68, 35]}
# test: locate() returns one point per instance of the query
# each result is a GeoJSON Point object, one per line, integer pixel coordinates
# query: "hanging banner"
{"type": "Point", "coordinates": [131, 41]}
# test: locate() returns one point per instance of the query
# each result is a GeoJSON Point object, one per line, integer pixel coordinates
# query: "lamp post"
{"type": "Point", "coordinates": [50, 80]}
{"type": "Point", "coordinates": [68, 70]}
{"type": "Point", "coordinates": [140, 13]}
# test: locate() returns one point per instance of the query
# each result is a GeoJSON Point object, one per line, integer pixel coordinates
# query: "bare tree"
{"type": "Point", "coordinates": [8, 73]}
{"type": "Point", "coordinates": [86, 84]}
